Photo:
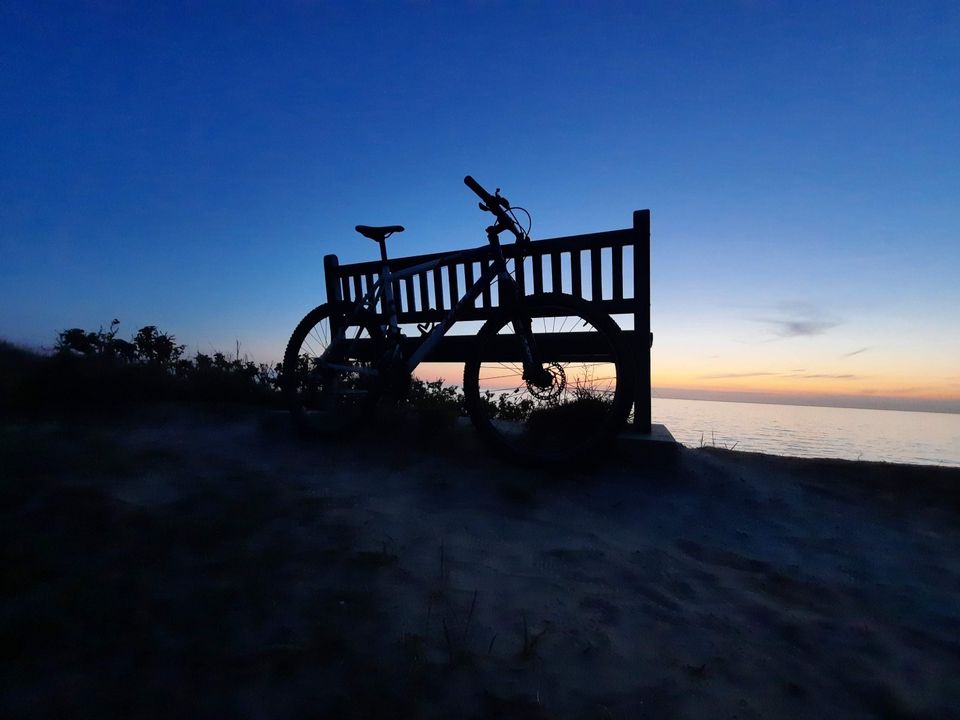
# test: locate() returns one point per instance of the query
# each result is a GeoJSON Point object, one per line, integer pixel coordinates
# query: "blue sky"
{"type": "Point", "coordinates": [188, 165]}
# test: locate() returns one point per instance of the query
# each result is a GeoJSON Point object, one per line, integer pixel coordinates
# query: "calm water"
{"type": "Point", "coordinates": [887, 435]}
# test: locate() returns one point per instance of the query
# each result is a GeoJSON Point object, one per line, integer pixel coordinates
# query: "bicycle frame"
{"type": "Point", "coordinates": [382, 291]}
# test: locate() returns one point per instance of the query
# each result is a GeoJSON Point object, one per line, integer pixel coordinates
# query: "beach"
{"type": "Point", "coordinates": [210, 563]}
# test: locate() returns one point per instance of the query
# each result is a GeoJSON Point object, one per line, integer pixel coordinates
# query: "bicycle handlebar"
{"type": "Point", "coordinates": [498, 206]}
{"type": "Point", "coordinates": [477, 188]}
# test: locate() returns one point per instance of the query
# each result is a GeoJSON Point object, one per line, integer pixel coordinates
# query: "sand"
{"type": "Point", "coordinates": [184, 563]}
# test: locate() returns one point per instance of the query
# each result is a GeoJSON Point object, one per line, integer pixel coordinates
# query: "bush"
{"type": "Point", "coordinates": [438, 406]}
{"type": "Point", "coordinates": [99, 371]}
{"type": "Point", "coordinates": [149, 346]}
{"type": "Point", "coordinates": [220, 379]}
{"type": "Point", "coordinates": [433, 396]}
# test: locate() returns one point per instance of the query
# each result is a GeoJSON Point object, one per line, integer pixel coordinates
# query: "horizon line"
{"type": "Point", "coordinates": [943, 406]}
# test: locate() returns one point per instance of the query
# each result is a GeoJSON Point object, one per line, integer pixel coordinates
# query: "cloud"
{"type": "Point", "coordinates": [855, 352]}
{"type": "Point", "coordinates": [799, 320]}
{"type": "Point", "coordinates": [799, 328]}
{"type": "Point", "coordinates": [796, 374]}
{"type": "Point", "coordinates": [827, 376]}
{"type": "Point", "coordinates": [723, 376]}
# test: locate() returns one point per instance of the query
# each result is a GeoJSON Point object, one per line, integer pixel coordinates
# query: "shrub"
{"type": "Point", "coordinates": [98, 370]}
{"type": "Point", "coordinates": [437, 405]}
{"type": "Point", "coordinates": [156, 348]}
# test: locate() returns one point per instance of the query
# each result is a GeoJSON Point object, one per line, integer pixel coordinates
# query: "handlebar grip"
{"type": "Point", "coordinates": [477, 188]}
{"type": "Point", "coordinates": [493, 204]}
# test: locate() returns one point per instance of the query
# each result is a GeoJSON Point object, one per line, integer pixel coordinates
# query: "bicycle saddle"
{"type": "Point", "coordinates": [378, 233]}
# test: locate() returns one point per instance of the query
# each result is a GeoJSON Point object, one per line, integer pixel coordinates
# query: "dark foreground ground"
{"type": "Point", "coordinates": [173, 563]}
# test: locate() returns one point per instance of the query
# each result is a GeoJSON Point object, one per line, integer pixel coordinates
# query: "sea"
{"type": "Point", "coordinates": [896, 436]}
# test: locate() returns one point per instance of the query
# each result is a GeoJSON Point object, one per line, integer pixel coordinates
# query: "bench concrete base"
{"type": "Point", "coordinates": [658, 434]}
{"type": "Point", "coordinates": [659, 442]}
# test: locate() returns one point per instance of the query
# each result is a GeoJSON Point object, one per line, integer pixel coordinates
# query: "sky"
{"type": "Point", "coordinates": [189, 165]}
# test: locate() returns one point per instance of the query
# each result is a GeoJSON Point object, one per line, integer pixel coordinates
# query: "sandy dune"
{"type": "Point", "coordinates": [210, 565]}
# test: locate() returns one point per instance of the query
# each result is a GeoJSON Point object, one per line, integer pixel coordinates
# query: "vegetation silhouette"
{"type": "Point", "coordinates": [98, 371]}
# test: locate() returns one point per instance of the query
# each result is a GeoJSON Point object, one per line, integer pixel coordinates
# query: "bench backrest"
{"type": "Point", "coordinates": [574, 265]}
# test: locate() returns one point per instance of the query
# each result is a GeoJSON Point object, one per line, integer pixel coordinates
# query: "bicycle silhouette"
{"type": "Point", "coordinates": [548, 380]}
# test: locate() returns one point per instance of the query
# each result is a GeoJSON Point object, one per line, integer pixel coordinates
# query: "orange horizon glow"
{"type": "Point", "coordinates": [773, 383]}
{"type": "Point", "coordinates": [893, 391]}
{"type": "Point", "coordinates": [813, 386]}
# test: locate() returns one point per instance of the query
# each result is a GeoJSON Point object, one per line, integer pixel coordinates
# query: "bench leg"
{"type": "Point", "coordinates": [641, 321]}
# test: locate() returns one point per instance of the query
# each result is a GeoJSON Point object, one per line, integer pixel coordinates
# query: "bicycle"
{"type": "Point", "coordinates": [548, 381]}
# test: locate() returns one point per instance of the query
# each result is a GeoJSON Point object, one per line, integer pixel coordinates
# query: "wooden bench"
{"type": "Point", "coordinates": [575, 265]}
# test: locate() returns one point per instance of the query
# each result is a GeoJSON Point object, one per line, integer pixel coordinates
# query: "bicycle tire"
{"type": "Point", "coordinates": [587, 401]}
{"type": "Point", "coordinates": [325, 401]}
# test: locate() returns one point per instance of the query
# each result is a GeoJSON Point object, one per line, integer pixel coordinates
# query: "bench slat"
{"type": "Point", "coordinates": [576, 274]}
{"type": "Point", "coordinates": [556, 283]}
{"type": "Point", "coordinates": [424, 292]}
{"type": "Point", "coordinates": [468, 277]}
{"type": "Point", "coordinates": [596, 283]}
{"type": "Point", "coordinates": [454, 285]}
{"type": "Point", "coordinates": [409, 304]}
{"type": "Point", "coordinates": [617, 272]}
{"type": "Point", "coordinates": [537, 273]}
{"type": "Point", "coordinates": [438, 289]}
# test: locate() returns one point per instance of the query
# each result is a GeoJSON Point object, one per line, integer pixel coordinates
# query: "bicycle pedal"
{"type": "Point", "coordinates": [425, 328]}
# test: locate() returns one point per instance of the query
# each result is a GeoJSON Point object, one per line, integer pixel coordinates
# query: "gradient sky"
{"type": "Point", "coordinates": [188, 166]}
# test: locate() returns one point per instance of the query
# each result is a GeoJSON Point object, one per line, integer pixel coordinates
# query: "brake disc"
{"type": "Point", "coordinates": [558, 382]}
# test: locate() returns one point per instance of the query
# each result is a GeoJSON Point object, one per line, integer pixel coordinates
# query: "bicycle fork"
{"type": "Point", "coordinates": [534, 371]}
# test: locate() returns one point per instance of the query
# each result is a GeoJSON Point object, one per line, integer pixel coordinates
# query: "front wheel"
{"type": "Point", "coordinates": [329, 378]}
{"type": "Point", "coordinates": [566, 405]}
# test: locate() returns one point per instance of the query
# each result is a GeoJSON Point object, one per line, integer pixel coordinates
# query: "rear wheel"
{"type": "Point", "coordinates": [578, 396]}
{"type": "Point", "coordinates": [329, 381]}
